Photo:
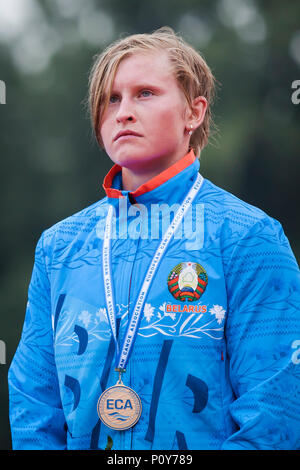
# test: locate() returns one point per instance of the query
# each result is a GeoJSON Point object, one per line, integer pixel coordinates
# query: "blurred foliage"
{"type": "Point", "coordinates": [50, 164]}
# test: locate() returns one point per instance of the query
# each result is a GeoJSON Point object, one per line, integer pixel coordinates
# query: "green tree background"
{"type": "Point", "coordinates": [51, 166]}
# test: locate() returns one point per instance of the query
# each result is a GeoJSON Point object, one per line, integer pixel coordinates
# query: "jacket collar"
{"type": "Point", "coordinates": [169, 186]}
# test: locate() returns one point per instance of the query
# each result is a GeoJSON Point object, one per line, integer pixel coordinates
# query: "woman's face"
{"type": "Point", "coordinates": [147, 100]}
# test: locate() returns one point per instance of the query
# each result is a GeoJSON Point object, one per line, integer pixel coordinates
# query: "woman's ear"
{"type": "Point", "coordinates": [197, 113]}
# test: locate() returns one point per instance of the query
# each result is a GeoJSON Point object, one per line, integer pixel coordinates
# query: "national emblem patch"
{"type": "Point", "coordinates": [187, 281]}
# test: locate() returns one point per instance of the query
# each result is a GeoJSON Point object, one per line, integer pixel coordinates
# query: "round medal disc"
{"type": "Point", "coordinates": [119, 407]}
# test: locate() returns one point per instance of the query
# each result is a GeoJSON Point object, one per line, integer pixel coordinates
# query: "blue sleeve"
{"type": "Point", "coordinates": [36, 416]}
{"type": "Point", "coordinates": [263, 340]}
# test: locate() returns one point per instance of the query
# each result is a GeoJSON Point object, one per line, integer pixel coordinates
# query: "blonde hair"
{"type": "Point", "coordinates": [190, 70]}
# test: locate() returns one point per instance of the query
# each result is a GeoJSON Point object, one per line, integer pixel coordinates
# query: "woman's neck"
{"type": "Point", "coordinates": [136, 177]}
{"type": "Point", "coordinates": [132, 180]}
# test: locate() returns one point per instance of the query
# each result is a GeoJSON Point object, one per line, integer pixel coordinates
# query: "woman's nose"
{"type": "Point", "coordinates": [125, 112]}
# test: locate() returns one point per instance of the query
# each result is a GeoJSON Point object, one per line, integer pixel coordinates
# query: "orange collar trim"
{"type": "Point", "coordinates": [108, 180]}
{"type": "Point", "coordinates": [153, 183]}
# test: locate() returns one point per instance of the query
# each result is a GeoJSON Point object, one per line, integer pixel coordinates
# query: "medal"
{"type": "Point", "coordinates": [119, 407]}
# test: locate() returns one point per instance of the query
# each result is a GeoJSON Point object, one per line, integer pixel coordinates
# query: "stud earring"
{"type": "Point", "coordinates": [190, 132]}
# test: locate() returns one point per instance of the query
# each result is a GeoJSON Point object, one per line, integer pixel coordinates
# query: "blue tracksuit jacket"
{"type": "Point", "coordinates": [216, 361]}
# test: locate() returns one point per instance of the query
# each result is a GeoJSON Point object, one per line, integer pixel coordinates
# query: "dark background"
{"type": "Point", "coordinates": [50, 165]}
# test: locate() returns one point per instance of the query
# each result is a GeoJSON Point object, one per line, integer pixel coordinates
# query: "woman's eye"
{"type": "Point", "coordinates": [113, 98]}
{"type": "Point", "coordinates": [146, 92]}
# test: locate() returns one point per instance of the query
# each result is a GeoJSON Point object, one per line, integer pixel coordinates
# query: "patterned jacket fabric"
{"type": "Point", "coordinates": [216, 361]}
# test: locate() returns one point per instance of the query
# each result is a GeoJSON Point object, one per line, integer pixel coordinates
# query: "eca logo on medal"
{"type": "Point", "coordinates": [119, 407]}
{"type": "Point", "coordinates": [187, 281]}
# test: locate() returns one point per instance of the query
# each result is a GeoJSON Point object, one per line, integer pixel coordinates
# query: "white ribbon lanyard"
{"type": "Point", "coordinates": [131, 332]}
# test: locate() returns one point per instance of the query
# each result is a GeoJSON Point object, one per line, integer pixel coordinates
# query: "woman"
{"type": "Point", "coordinates": [164, 316]}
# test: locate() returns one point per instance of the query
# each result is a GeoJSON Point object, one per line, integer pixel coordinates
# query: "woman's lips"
{"type": "Point", "coordinates": [127, 137]}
